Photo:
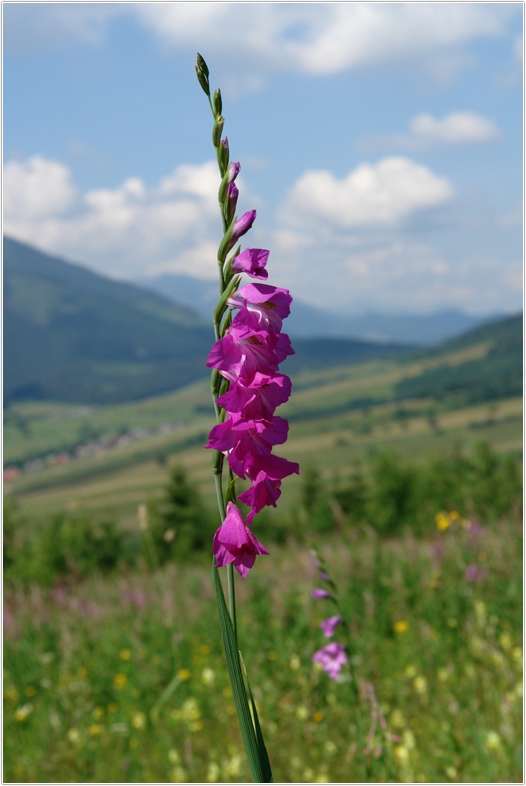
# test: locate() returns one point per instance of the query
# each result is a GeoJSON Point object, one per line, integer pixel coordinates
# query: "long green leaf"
{"type": "Point", "coordinates": [263, 755]}
{"type": "Point", "coordinates": [259, 768]}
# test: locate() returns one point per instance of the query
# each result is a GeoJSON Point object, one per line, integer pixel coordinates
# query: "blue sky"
{"type": "Point", "coordinates": [380, 143]}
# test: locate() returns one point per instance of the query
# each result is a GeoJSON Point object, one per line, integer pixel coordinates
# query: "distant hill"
{"type": "Point", "coordinates": [74, 336]}
{"type": "Point", "coordinates": [497, 375]}
{"type": "Point", "coordinates": [309, 322]}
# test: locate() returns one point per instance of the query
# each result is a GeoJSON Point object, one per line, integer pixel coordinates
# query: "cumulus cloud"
{"type": "Point", "coordinates": [457, 128]}
{"type": "Point", "coordinates": [129, 230]}
{"type": "Point", "coordinates": [315, 38]}
{"type": "Point", "coordinates": [372, 195]}
{"type": "Point", "coordinates": [319, 37]}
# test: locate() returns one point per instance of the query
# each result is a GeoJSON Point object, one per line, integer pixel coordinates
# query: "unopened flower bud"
{"type": "Point", "coordinates": [217, 131]}
{"type": "Point", "coordinates": [224, 155]}
{"type": "Point", "coordinates": [218, 103]}
{"type": "Point", "coordinates": [201, 70]}
{"type": "Point", "coordinates": [242, 226]}
{"type": "Point", "coordinates": [232, 193]}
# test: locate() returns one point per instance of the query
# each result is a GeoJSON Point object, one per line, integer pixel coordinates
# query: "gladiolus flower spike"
{"type": "Point", "coordinates": [247, 386]}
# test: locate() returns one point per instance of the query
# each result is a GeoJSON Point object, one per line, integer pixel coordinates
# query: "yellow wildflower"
{"type": "Point", "coordinates": [120, 681]}
{"type": "Point", "coordinates": [401, 626]}
{"type": "Point", "coordinates": [207, 676]}
{"type": "Point", "coordinates": [22, 712]}
{"type": "Point", "coordinates": [184, 675]}
{"type": "Point", "coordinates": [317, 717]}
{"type": "Point", "coordinates": [95, 729]}
{"type": "Point", "coordinates": [493, 741]}
{"type": "Point", "coordinates": [139, 720]}
{"type": "Point", "coordinates": [126, 654]}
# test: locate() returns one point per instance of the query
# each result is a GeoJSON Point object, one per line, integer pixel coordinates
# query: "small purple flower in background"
{"type": "Point", "coordinates": [329, 625]}
{"type": "Point", "coordinates": [474, 573]}
{"type": "Point", "coordinates": [319, 594]}
{"type": "Point", "coordinates": [331, 658]}
{"type": "Point", "coordinates": [234, 542]}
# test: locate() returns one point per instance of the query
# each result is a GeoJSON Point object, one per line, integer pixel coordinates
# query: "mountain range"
{"type": "Point", "coordinates": [307, 321]}
{"type": "Point", "coordinates": [73, 335]}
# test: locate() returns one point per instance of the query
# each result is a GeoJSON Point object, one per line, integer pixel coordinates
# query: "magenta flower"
{"type": "Point", "coordinates": [251, 261]}
{"type": "Point", "coordinates": [332, 658]}
{"type": "Point", "coordinates": [242, 226]}
{"type": "Point", "coordinates": [319, 594]}
{"type": "Point", "coordinates": [234, 542]}
{"type": "Point", "coordinates": [259, 399]}
{"type": "Point", "coordinates": [264, 491]}
{"type": "Point", "coordinates": [328, 626]}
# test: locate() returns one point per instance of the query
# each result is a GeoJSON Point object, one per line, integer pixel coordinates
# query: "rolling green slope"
{"type": "Point", "coordinates": [71, 335]}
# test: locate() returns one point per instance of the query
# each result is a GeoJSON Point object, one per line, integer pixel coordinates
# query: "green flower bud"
{"type": "Point", "coordinates": [218, 103]}
{"type": "Point", "coordinates": [218, 130]}
{"type": "Point", "coordinates": [201, 70]}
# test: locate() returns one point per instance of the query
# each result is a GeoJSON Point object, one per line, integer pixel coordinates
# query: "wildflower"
{"type": "Point", "coordinates": [331, 658]}
{"type": "Point", "coordinates": [73, 735]}
{"type": "Point", "coordinates": [213, 772]}
{"type": "Point", "coordinates": [317, 717]}
{"type": "Point", "coordinates": [126, 654]}
{"type": "Point", "coordinates": [178, 775]}
{"type": "Point", "coordinates": [443, 521]}
{"type": "Point", "coordinates": [473, 573]}
{"type": "Point", "coordinates": [320, 594]}
{"type": "Point", "coordinates": [493, 741]}
{"type": "Point", "coordinates": [207, 676]}
{"type": "Point", "coordinates": [302, 712]}
{"type": "Point", "coordinates": [329, 625]}
{"type": "Point", "coordinates": [120, 681]}
{"type": "Point", "coordinates": [21, 713]}
{"type": "Point", "coordinates": [252, 261]}
{"type": "Point", "coordinates": [234, 542]}
{"type": "Point", "coordinates": [183, 675]}
{"type": "Point", "coordinates": [242, 226]}
{"type": "Point", "coordinates": [139, 720]}
{"type": "Point", "coordinates": [295, 662]}
{"type": "Point", "coordinates": [401, 626]}
{"type": "Point", "coordinates": [94, 730]}
{"type": "Point", "coordinates": [420, 685]}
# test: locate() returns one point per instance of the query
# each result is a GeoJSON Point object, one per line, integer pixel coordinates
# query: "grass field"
{"type": "Point", "coordinates": [123, 680]}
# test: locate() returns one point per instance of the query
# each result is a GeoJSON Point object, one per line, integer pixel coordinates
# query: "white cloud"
{"type": "Point", "coordinates": [315, 38]}
{"type": "Point", "coordinates": [454, 129]}
{"type": "Point", "coordinates": [36, 189]}
{"type": "Point", "coordinates": [128, 231]}
{"type": "Point", "coordinates": [321, 37]}
{"type": "Point", "coordinates": [380, 195]}
{"type": "Point", "coordinates": [457, 128]}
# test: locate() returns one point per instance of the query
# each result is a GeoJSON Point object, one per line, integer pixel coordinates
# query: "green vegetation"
{"type": "Point", "coordinates": [122, 679]}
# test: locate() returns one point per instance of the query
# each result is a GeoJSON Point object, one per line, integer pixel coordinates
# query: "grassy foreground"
{"type": "Point", "coordinates": [122, 679]}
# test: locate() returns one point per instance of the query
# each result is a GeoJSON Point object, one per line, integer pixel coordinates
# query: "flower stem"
{"type": "Point", "coordinates": [229, 568]}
